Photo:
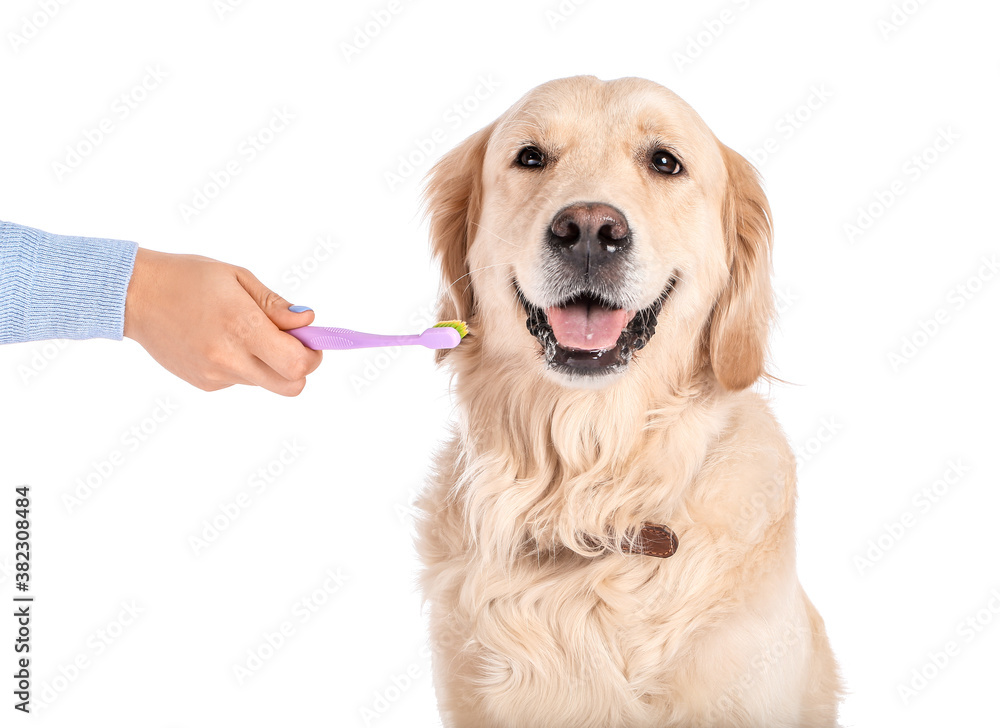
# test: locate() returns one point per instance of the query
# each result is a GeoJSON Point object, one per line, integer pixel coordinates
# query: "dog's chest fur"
{"type": "Point", "coordinates": [521, 619]}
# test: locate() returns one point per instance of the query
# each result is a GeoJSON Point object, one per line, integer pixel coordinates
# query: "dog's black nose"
{"type": "Point", "coordinates": [588, 235]}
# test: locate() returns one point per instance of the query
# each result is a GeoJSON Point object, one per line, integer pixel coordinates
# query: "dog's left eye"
{"type": "Point", "coordinates": [531, 157]}
{"type": "Point", "coordinates": [666, 162]}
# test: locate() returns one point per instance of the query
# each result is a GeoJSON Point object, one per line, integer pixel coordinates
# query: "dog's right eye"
{"type": "Point", "coordinates": [531, 157]}
{"type": "Point", "coordinates": [665, 162]}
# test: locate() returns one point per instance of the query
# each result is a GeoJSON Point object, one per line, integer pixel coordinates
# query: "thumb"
{"type": "Point", "coordinates": [274, 306]}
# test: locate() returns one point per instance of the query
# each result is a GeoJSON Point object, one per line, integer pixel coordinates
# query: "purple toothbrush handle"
{"type": "Point", "coordinates": [327, 338]}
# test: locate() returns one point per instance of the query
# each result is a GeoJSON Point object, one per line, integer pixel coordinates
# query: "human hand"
{"type": "Point", "coordinates": [214, 324]}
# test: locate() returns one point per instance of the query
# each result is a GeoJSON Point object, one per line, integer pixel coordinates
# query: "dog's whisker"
{"type": "Point", "coordinates": [475, 270]}
{"type": "Point", "coordinates": [498, 237]}
{"type": "Point", "coordinates": [509, 285]}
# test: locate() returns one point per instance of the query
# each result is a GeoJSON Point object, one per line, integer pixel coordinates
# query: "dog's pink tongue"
{"type": "Point", "coordinates": [580, 326]}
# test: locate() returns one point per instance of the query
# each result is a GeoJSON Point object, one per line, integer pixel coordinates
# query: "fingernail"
{"type": "Point", "coordinates": [299, 309]}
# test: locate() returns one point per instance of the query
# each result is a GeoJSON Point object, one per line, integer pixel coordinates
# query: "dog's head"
{"type": "Point", "coordinates": [597, 226]}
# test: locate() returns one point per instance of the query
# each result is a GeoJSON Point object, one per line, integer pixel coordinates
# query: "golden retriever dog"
{"type": "Point", "coordinates": [608, 539]}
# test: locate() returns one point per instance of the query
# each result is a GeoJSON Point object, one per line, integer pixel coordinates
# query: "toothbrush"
{"type": "Point", "coordinates": [442, 335]}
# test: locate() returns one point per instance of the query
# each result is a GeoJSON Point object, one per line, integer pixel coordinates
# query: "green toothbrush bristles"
{"type": "Point", "coordinates": [459, 326]}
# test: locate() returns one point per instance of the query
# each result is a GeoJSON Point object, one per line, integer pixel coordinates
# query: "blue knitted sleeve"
{"type": "Point", "coordinates": [60, 286]}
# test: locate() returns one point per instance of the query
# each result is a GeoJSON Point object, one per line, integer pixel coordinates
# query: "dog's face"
{"type": "Point", "coordinates": [595, 219]}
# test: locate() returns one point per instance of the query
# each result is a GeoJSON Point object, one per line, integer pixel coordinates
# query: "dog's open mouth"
{"type": "Point", "coordinates": [589, 335]}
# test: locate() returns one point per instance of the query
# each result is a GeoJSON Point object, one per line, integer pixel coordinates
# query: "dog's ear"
{"type": "Point", "coordinates": [742, 315]}
{"type": "Point", "coordinates": [453, 199]}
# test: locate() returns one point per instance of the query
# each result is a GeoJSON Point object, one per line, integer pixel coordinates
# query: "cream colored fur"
{"type": "Point", "coordinates": [532, 624]}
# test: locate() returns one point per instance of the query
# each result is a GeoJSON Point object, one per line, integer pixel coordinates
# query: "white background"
{"type": "Point", "coordinates": [872, 431]}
